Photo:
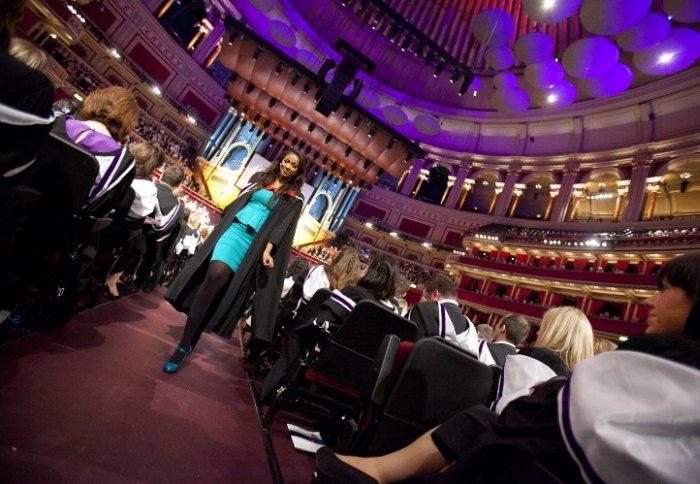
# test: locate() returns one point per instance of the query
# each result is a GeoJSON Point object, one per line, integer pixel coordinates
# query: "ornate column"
{"type": "Point", "coordinates": [503, 201]}
{"type": "Point", "coordinates": [641, 166]}
{"type": "Point", "coordinates": [468, 186]}
{"type": "Point", "coordinates": [577, 195]}
{"type": "Point", "coordinates": [553, 192]}
{"type": "Point", "coordinates": [422, 176]}
{"type": "Point", "coordinates": [205, 47]}
{"type": "Point", "coordinates": [623, 187]}
{"type": "Point", "coordinates": [517, 193]}
{"type": "Point", "coordinates": [410, 182]}
{"type": "Point", "coordinates": [457, 187]}
{"type": "Point", "coordinates": [563, 198]}
{"type": "Point", "coordinates": [448, 189]}
{"type": "Point", "coordinates": [653, 187]}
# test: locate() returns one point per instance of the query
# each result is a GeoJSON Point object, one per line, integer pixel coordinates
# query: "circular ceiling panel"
{"type": "Point", "coordinates": [427, 125]}
{"type": "Point", "coordinates": [368, 98]}
{"type": "Point", "coordinates": [590, 57]}
{"type": "Point", "coordinates": [282, 33]}
{"type": "Point", "coordinates": [308, 59]}
{"type": "Point", "coordinates": [646, 34]}
{"type": "Point", "coordinates": [500, 57]}
{"type": "Point", "coordinates": [679, 50]}
{"type": "Point", "coordinates": [548, 12]}
{"type": "Point", "coordinates": [604, 17]}
{"type": "Point", "coordinates": [262, 5]}
{"type": "Point", "coordinates": [394, 115]}
{"type": "Point", "coordinates": [544, 74]}
{"type": "Point", "coordinates": [534, 47]}
{"type": "Point", "coordinates": [613, 83]}
{"type": "Point", "coordinates": [493, 27]}
{"type": "Point", "coordinates": [511, 101]}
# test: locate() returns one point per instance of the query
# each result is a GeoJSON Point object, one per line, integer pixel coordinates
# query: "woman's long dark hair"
{"type": "Point", "coordinates": [272, 173]}
{"type": "Point", "coordinates": [684, 272]}
{"type": "Point", "coordinates": [381, 276]}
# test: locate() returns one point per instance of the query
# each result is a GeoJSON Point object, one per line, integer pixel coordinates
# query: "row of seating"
{"type": "Point", "coordinates": [371, 386]}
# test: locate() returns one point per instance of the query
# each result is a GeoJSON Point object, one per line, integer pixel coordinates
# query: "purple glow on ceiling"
{"type": "Point", "coordinates": [650, 31]}
{"type": "Point", "coordinates": [505, 80]}
{"type": "Point", "coordinates": [500, 57]}
{"type": "Point", "coordinates": [559, 95]}
{"type": "Point", "coordinates": [262, 5]}
{"type": "Point", "coordinates": [604, 17]}
{"type": "Point", "coordinates": [394, 115]}
{"type": "Point", "coordinates": [533, 48]}
{"type": "Point", "coordinates": [590, 57]}
{"type": "Point", "coordinates": [493, 27]}
{"type": "Point", "coordinates": [549, 11]}
{"type": "Point", "coordinates": [282, 33]}
{"type": "Point", "coordinates": [544, 74]}
{"type": "Point", "coordinates": [613, 83]}
{"type": "Point", "coordinates": [308, 59]}
{"type": "Point", "coordinates": [679, 50]}
{"type": "Point", "coordinates": [685, 11]}
{"type": "Point", "coordinates": [428, 125]}
{"type": "Point", "coordinates": [510, 101]}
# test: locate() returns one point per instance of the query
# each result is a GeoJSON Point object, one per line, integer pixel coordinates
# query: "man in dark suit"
{"type": "Point", "coordinates": [440, 315]}
{"type": "Point", "coordinates": [510, 331]}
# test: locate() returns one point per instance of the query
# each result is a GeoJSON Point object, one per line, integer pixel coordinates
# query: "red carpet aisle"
{"type": "Point", "coordinates": [90, 403]}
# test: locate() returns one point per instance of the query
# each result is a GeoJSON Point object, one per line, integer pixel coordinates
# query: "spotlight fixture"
{"type": "Point", "coordinates": [455, 76]}
{"type": "Point", "coordinates": [249, 88]}
{"type": "Point", "coordinates": [393, 32]}
{"type": "Point", "coordinates": [294, 115]}
{"type": "Point", "coordinates": [307, 87]}
{"type": "Point", "coordinates": [366, 164]}
{"type": "Point", "coordinates": [391, 143]}
{"type": "Point", "coordinates": [271, 102]}
{"type": "Point", "coordinates": [420, 48]}
{"type": "Point", "coordinates": [318, 94]}
{"type": "Point", "coordinates": [316, 155]}
{"type": "Point", "coordinates": [372, 131]}
{"type": "Point", "coordinates": [334, 166]}
{"type": "Point", "coordinates": [252, 128]}
{"type": "Point", "coordinates": [409, 156]}
{"type": "Point", "coordinates": [256, 119]}
{"type": "Point", "coordinates": [406, 42]}
{"type": "Point", "coordinates": [295, 78]}
{"type": "Point", "coordinates": [348, 150]}
{"type": "Point", "coordinates": [258, 132]}
{"type": "Point", "coordinates": [278, 68]}
{"type": "Point", "coordinates": [257, 52]}
{"type": "Point", "coordinates": [438, 70]}
{"type": "Point", "coordinates": [380, 172]}
{"type": "Point", "coordinates": [307, 150]}
{"type": "Point", "coordinates": [266, 124]}
{"type": "Point", "coordinates": [465, 86]}
{"type": "Point", "coordinates": [285, 136]}
{"type": "Point", "coordinates": [347, 114]}
{"type": "Point", "coordinates": [295, 141]}
{"type": "Point", "coordinates": [328, 139]}
{"type": "Point", "coordinates": [234, 103]}
{"type": "Point", "coordinates": [311, 127]}
{"type": "Point", "coordinates": [277, 130]}
{"type": "Point", "coordinates": [357, 122]}
{"type": "Point", "coordinates": [362, 7]}
{"type": "Point", "coordinates": [233, 77]}
{"type": "Point", "coordinates": [345, 3]}
{"type": "Point", "coordinates": [429, 58]}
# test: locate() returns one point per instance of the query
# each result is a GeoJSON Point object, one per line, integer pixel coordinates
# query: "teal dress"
{"type": "Point", "coordinates": [234, 243]}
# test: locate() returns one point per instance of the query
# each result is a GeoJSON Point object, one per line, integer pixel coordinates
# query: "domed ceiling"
{"type": "Point", "coordinates": [528, 57]}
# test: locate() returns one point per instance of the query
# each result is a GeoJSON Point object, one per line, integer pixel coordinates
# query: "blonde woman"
{"type": "Point", "coordinates": [28, 53]}
{"type": "Point", "coordinates": [566, 331]}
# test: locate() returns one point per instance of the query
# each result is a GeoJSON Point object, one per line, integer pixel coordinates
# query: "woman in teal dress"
{"type": "Point", "coordinates": [246, 254]}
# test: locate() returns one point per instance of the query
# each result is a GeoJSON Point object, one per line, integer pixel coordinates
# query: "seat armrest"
{"type": "Point", "coordinates": [378, 384]}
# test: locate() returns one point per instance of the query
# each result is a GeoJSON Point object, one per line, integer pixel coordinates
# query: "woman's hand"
{"type": "Point", "coordinates": [267, 259]}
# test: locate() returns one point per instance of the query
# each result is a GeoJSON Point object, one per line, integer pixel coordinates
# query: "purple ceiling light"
{"type": "Point", "coordinates": [590, 57]}
{"type": "Point", "coordinates": [493, 27]}
{"type": "Point", "coordinates": [544, 74]}
{"type": "Point", "coordinates": [646, 34]}
{"type": "Point", "coordinates": [510, 101]}
{"type": "Point", "coordinates": [613, 83]}
{"type": "Point", "coordinates": [685, 11]}
{"type": "Point", "coordinates": [505, 80]}
{"type": "Point", "coordinates": [604, 17]}
{"type": "Point", "coordinates": [550, 11]}
{"type": "Point", "coordinates": [500, 57]}
{"type": "Point", "coordinates": [679, 50]}
{"type": "Point", "coordinates": [533, 48]}
{"type": "Point", "coordinates": [559, 95]}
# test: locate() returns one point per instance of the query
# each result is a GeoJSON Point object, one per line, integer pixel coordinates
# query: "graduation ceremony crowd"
{"type": "Point", "coordinates": [556, 406]}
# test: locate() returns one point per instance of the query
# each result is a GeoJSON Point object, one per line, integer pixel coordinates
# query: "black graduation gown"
{"type": "Point", "coordinates": [250, 277]}
{"type": "Point", "coordinates": [426, 317]}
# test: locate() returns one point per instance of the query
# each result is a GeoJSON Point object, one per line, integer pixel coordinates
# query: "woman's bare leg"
{"type": "Point", "coordinates": [419, 458]}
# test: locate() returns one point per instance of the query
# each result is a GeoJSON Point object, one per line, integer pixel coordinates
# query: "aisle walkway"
{"type": "Point", "coordinates": [90, 403]}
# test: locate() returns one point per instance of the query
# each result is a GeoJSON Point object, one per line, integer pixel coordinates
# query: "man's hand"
{"type": "Point", "coordinates": [267, 260]}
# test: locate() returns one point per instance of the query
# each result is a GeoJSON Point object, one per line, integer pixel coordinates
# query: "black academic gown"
{"type": "Point", "coordinates": [426, 317]}
{"type": "Point", "coordinates": [250, 277]}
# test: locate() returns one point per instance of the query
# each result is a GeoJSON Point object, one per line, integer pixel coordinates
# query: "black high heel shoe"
{"type": "Point", "coordinates": [171, 366]}
{"type": "Point", "coordinates": [331, 470]}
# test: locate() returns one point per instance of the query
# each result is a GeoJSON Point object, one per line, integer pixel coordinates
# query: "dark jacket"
{"type": "Point", "coordinates": [251, 276]}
